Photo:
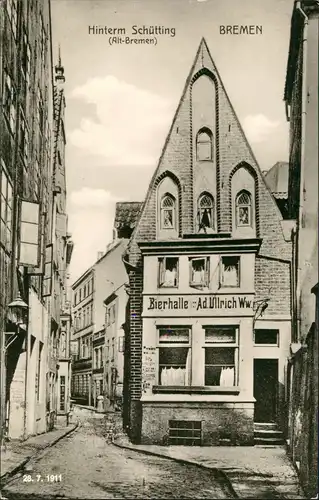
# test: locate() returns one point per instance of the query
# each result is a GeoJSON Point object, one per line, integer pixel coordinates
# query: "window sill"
{"type": "Point", "coordinates": [175, 389]}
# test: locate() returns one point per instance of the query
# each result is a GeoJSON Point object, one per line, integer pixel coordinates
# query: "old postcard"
{"type": "Point", "coordinates": [159, 249]}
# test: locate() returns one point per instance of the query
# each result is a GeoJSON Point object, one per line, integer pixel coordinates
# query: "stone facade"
{"type": "Point", "coordinates": [301, 96]}
{"type": "Point", "coordinates": [29, 128]}
{"type": "Point", "coordinates": [206, 170]}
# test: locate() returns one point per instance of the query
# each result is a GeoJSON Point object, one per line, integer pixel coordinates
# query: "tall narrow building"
{"type": "Point", "coordinates": [301, 99]}
{"type": "Point", "coordinates": [30, 302]}
{"type": "Point", "coordinates": [209, 272]}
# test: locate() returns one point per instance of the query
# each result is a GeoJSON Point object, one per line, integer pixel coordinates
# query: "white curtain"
{"type": "Point", "coordinates": [227, 377]}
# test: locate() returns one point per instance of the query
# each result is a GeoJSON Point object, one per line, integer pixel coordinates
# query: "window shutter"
{"type": "Point", "coordinates": [47, 277]}
{"type": "Point", "coordinates": [30, 235]}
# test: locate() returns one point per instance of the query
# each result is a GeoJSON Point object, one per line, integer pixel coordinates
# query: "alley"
{"type": "Point", "coordinates": [86, 465]}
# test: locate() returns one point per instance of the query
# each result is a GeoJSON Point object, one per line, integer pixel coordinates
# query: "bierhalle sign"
{"type": "Point", "coordinates": [198, 305]}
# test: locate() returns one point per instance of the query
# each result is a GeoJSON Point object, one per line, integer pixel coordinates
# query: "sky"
{"type": "Point", "coordinates": [121, 98]}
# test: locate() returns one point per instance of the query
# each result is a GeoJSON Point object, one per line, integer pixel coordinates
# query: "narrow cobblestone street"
{"type": "Point", "coordinates": [91, 467]}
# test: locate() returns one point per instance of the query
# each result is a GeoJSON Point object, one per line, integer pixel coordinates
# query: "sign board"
{"type": "Point", "coordinates": [198, 305]}
{"type": "Point", "coordinates": [148, 368]}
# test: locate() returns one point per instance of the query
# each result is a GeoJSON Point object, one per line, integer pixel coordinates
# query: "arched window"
{"type": "Point", "coordinates": [205, 212]}
{"type": "Point", "coordinates": [243, 209]}
{"type": "Point", "coordinates": [204, 145]}
{"type": "Point", "coordinates": [168, 216]}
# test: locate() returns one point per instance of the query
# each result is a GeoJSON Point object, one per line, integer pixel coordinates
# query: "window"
{"type": "Point", "coordinates": [24, 139]}
{"type": "Point", "coordinates": [12, 14]}
{"type": "Point", "coordinates": [174, 356]}
{"type": "Point", "coordinates": [80, 295]}
{"type": "Point", "coordinates": [205, 212]}
{"type": "Point", "coordinates": [108, 317]}
{"type": "Point", "coordinates": [121, 346]}
{"type": "Point", "coordinates": [5, 210]}
{"type": "Point", "coordinates": [168, 271]}
{"type": "Point", "coordinates": [75, 298]}
{"type": "Point", "coordinates": [37, 180]}
{"type": "Point", "coordinates": [9, 104]}
{"type": "Point", "coordinates": [112, 313]}
{"type": "Point", "coordinates": [243, 208]}
{"type": "Point", "coordinates": [185, 432]}
{"type": "Point", "coordinates": [221, 354]}
{"type": "Point", "coordinates": [26, 60]}
{"type": "Point", "coordinates": [30, 235]}
{"type": "Point", "coordinates": [204, 145]}
{"type": "Point", "coordinates": [266, 337]}
{"type": "Point", "coordinates": [39, 374]}
{"type": "Point", "coordinates": [168, 212]}
{"type": "Point", "coordinates": [42, 40]}
{"type": "Point", "coordinates": [229, 271]}
{"type": "Point", "coordinates": [107, 350]}
{"type": "Point", "coordinates": [84, 317]}
{"type": "Point", "coordinates": [112, 349]}
{"type": "Point", "coordinates": [199, 271]}
{"type": "Point", "coordinates": [80, 319]}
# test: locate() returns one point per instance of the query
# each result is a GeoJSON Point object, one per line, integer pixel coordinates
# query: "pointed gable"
{"type": "Point", "coordinates": [206, 151]}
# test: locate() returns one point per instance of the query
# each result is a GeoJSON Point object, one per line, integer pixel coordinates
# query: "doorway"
{"type": "Point", "coordinates": [266, 390]}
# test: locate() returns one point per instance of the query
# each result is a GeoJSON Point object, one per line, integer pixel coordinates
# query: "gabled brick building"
{"type": "Point", "coordinates": [209, 322]}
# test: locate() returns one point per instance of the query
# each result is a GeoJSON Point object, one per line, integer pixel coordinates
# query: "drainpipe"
{"type": "Point", "coordinates": [302, 160]}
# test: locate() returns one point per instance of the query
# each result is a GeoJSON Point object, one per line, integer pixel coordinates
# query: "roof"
{"type": "Point", "coordinates": [126, 213]}
{"type": "Point", "coordinates": [277, 179]}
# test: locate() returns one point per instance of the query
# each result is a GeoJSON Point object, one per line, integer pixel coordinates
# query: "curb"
{"type": "Point", "coordinates": [17, 468]}
{"type": "Point", "coordinates": [218, 472]}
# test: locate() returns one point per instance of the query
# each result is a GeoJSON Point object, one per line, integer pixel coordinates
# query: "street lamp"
{"type": "Point", "coordinates": [17, 311]}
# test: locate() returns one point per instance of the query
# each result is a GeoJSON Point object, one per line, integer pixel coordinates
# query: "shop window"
{"type": "Point", "coordinates": [266, 337]}
{"type": "Point", "coordinates": [229, 274]}
{"type": "Point", "coordinates": [243, 209]}
{"type": "Point", "coordinates": [221, 354]}
{"type": "Point", "coordinates": [168, 271]}
{"type": "Point", "coordinates": [174, 356]}
{"type": "Point", "coordinates": [204, 145]}
{"type": "Point", "coordinates": [205, 212]}
{"type": "Point", "coordinates": [199, 272]}
{"type": "Point", "coordinates": [168, 212]}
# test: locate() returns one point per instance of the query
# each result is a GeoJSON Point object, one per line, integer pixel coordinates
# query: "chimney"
{"type": "Point", "coordinates": [100, 255]}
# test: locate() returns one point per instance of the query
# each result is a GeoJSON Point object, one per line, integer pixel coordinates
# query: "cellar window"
{"type": "Point", "coordinates": [185, 432]}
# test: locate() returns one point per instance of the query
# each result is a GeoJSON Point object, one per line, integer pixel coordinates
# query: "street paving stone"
{"type": "Point", "coordinates": [93, 468]}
